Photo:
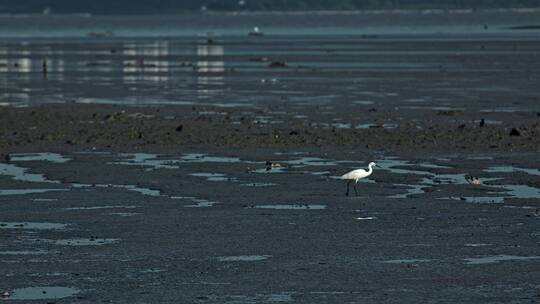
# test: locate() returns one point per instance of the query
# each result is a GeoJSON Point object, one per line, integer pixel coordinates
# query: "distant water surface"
{"type": "Point", "coordinates": [302, 58]}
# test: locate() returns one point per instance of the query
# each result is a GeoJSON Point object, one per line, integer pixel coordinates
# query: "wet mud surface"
{"type": "Point", "coordinates": [125, 227]}
{"type": "Point", "coordinates": [66, 127]}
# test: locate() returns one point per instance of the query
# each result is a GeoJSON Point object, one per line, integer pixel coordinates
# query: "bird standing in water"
{"type": "Point", "coordinates": [356, 175]}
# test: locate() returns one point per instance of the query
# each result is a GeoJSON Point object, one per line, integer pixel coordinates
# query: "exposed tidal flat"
{"type": "Point", "coordinates": [205, 169]}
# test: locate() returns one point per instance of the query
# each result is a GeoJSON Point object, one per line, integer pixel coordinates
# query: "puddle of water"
{"type": "Point", "coordinates": [43, 199]}
{"type": "Point", "coordinates": [311, 161]}
{"type": "Point", "coordinates": [200, 203]}
{"type": "Point", "coordinates": [145, 191]}
{"type": "Point", "coordinates": [31, 226]}
{"type": "Point", "coordinates": [511, 169]}
{"type": "Point", "coordinates": [373, 125]}
{"type": "Point", "coordinates": [204, 158]}
{"type": "Point", "coordinates": [365, 218]}
{"type": "Point", "coordinates": [489, 122]}
{"type": "Point", "coordinates": [83, 242]}
{"type": "Point", "coordinates": [414, 189]}
{"type": "Point", "coordinates": [153, 162]}
{"type": "Point", "coordinates": [243, 258]}
{"type": "Point", "coordinates": [258, 184]}
{"type": "Point", "coordinates": [522, 191]}
{"type": "Point", "coordinates": [500, 110]}
{"type": "Point", "coordinates": [498, 258]}
{"type": "Point", "coordinates": [258, 298]}
{"type": "Point", "coordinates": [146, 160]}
{"type": "Point", "coordinates": [20, 174]}
{"type": "Point", "coordinates": [437, 108]}
{"type": "Point", "coordinates": [42, 293]}
{"type": "Point", "coordinates": [126, 214]}
{"type": "Point", "coordinates": [516, 191]}
{"type": "Point", "coordinates": [271, 171]}
{"type": "Point", "coordinates": [99, 207]}
{"type": "Point", "coordinates": [341, 125]}
{"type": "Point", "coordinates": [252, 299]}
{"type": "Point", "coordinates": [433, 166]}
{"type": "Point", "coordinates": [214, 177]}
{"type": "Point", "coordinates": [291, 153]}
{"type": "Point", "coordinates": [24, 252]}
{"type": "Point", "coordinates": [480, 157]}
{"type": "Point", "coordinates": [152, 270]}
{"type": "Point", "coordinates": [51, 274]}
{"type": "Point", "coordinates": [406, 261]}
{"type": "Point", "coordinates": [477, 199]}
{"type": "Point", "coordinates": [391, 165]}
{"type": "Point", "coordinates": [395, 166]}
{"type": "Point", "coordinates": [519, 207]}
{"type": "Point", "coordinates": [291, 207]}
{"type": "Point", "coordinates": [26, 191]}
{"type": "Point", "coordinates": [477, 245]}
{"type": "Point", "coordinates": [45, 156]}
{"type": "Point", "coordinates": [93, 152]}
{"type": "Point", "coordinates": [363, 102]}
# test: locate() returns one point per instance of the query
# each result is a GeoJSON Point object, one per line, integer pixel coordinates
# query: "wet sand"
{"type": "Point", "coordinates": [170, 201]}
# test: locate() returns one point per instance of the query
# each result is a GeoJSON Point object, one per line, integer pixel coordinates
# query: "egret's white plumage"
{"type": "Point", "coordinates": [356, 175]}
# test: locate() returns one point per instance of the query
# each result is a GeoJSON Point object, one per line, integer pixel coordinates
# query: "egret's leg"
{"type": "Point", "coordinates": [356, 192]}
{"type": "Point", "coordinates": [347, 193]}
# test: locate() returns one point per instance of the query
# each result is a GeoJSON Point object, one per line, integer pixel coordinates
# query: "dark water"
{"type": "Point", "coordinates": [430, 58]}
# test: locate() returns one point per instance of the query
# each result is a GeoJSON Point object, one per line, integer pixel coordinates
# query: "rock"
{"type": "Point", "coordinates": [5, 157]}
{"type": "Point", "coordinates": [179, 128]}
{"type": "Point", "coordinates": [515, 132]}
{"type": "Point", "coordinates": [277, 64]}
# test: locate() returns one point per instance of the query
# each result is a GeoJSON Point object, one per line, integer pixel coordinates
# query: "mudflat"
{"type": "Point", "coordinates": [227, 190]}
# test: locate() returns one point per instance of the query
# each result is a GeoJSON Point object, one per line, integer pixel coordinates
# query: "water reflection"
{"type": "Point", "coordinates": [145, 62]}
{"type": "Point", "coordinates": [129, 69]}
{"type": "Point", "coordinates": [209, 60]}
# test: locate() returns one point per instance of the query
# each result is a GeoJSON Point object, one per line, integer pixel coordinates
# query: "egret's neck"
{"type": "Point", "coordinates": [370, 169]}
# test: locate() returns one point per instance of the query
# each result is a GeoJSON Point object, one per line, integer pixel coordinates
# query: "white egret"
{"type": "Point", "coordinates": [356, 175]}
